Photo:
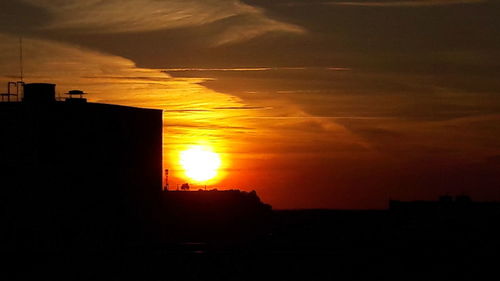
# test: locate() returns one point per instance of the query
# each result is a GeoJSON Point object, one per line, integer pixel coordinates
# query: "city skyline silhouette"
{"type": "Point", "coordinates": [249, 139]}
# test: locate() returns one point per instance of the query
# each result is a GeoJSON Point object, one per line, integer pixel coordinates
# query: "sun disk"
{"type": "Point", "coordinates": [200, 163]}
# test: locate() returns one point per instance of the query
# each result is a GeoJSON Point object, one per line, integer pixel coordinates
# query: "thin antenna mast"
{"type": "Point", "coordinates": [21, 56]}
{"type": "Point", "coordinates": [166, 187]}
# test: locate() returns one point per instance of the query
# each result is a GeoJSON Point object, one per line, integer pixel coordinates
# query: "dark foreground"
{"type": "Point", "coordinates": [302, 245]}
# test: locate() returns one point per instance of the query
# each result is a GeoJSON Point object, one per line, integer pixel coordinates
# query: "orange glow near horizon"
{"type": "Point", "coordinates": [200, 163]}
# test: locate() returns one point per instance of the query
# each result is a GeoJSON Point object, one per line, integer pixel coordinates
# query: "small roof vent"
{"type": "Point", "coordinates": [76, 96]}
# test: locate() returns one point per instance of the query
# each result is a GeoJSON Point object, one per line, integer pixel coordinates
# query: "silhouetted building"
{"type": "Point", "coordinates": [460, 208]}
{"type": "Point", "coordinates": [214, 214]}
{"type": "Point", "coordinates": [63, 162]}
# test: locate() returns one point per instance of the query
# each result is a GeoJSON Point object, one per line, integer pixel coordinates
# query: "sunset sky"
{"type": "Point", "coordinates": [312, 103]}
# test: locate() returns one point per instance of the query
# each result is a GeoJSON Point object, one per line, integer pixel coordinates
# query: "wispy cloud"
{"type": "Point", "coordinates": [405, 3]}
{"type": "Point", "coordinates": [218, 69]}
{"type": "Point", "coordinates": [106, 78]}
{"type": "Point", "coordinates": [319, 117]}
{"type": "Point", "coordinates": [186, 110]}
{"type": "Point", "coordinates": [268, 68]}
{"type": "Point", "coordinates": [243, 108]}
{"type": "Point", "coordinates": [114, 16]}
{"type": "Point", "coordinates": [252, 25]}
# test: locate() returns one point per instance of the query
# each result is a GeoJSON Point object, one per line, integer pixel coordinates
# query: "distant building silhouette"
{"type": "Point", "coordinates": [459, 207]}
{"type": "Point", "coordinates": [215, 214]}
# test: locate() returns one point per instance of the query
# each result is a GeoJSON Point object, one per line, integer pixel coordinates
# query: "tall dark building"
{"type": "Point", "coordinates": [74, 164]}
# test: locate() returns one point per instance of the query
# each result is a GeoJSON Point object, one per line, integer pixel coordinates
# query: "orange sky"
{"type": "Point", "coordinates": [313, 104]}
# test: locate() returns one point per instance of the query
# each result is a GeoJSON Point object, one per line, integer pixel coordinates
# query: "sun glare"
{"type": "Point", "coordinates": [200, 163]}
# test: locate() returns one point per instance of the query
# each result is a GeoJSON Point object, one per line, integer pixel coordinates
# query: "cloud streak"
{"type": "Point", "coordinates": [253, 69]}
{"type": "Point", "coordinates": [243, 108]}
{"type": "Point", "coordinates": [409, 3]}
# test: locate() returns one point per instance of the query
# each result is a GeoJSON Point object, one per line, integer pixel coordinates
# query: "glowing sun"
{"type": "Point", "coordinates": [200, 163]}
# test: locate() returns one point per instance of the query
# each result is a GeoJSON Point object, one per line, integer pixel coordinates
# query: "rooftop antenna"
{"type": "Point", "coordinates": [165, 188]}
{"type": "Point", "coordinates": [21, 57]}
{"type": "Point", "coordinates": [19, 85]}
